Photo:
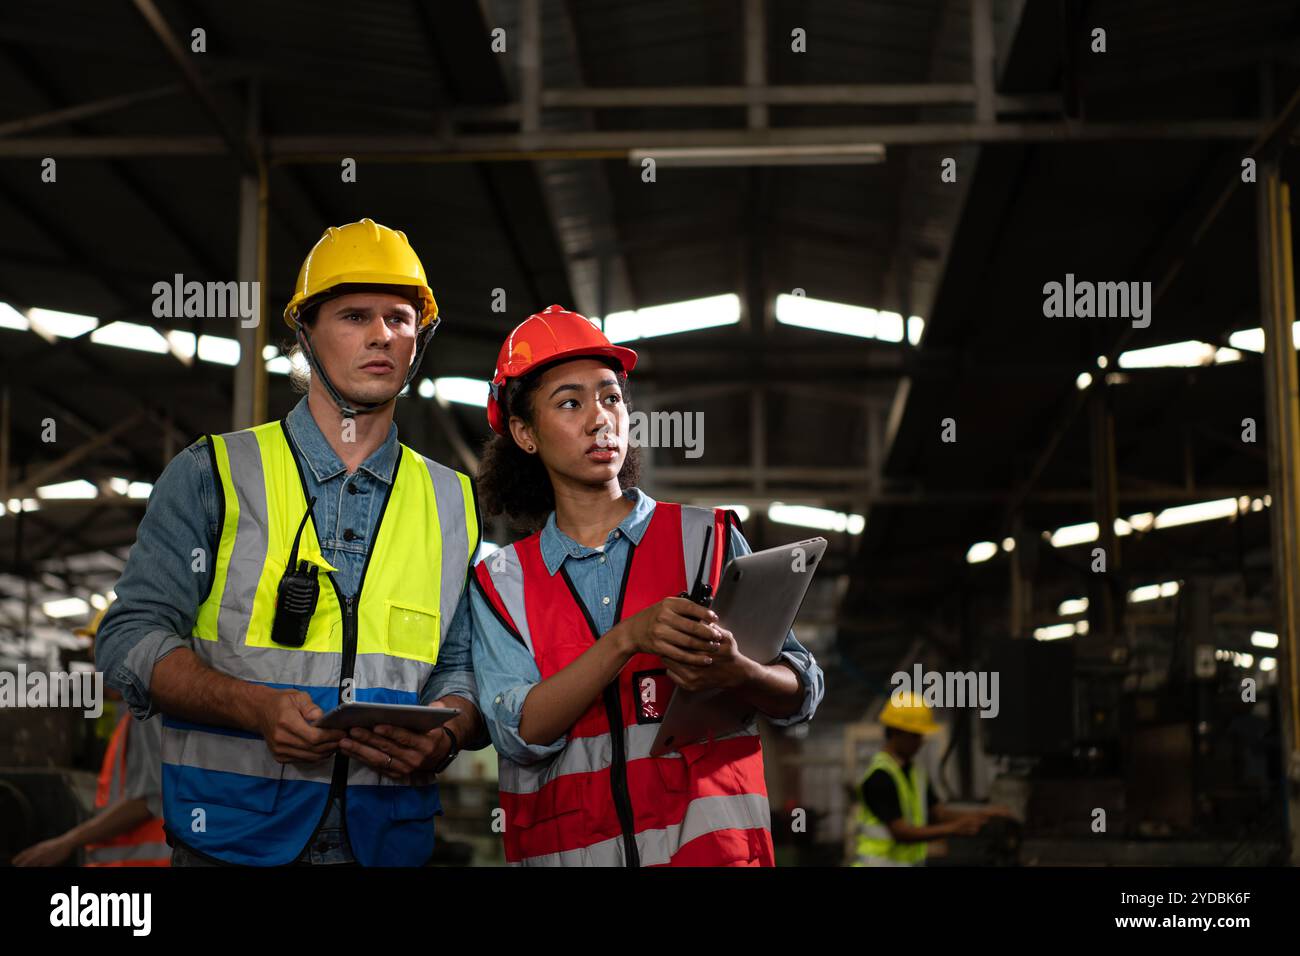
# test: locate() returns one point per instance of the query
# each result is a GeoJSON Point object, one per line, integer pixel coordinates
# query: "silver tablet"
{"type": "Point", "coordinates": [410, 716]}
{"type": "Point", "coordinates": [758, 598]}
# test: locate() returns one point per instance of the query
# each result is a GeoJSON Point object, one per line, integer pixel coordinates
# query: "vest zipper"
{"type": "Point", "coordinates": [614, 715]}
{"type": "Point", "coordinates": [339, 781]}
{"type": "Point", "coordinates": [618, 774]}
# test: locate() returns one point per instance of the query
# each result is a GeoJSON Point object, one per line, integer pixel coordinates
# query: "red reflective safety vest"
{"type": "Point", "coordinates": [146, 845]}
{"type": "Point", "coordinates": [604, 800]}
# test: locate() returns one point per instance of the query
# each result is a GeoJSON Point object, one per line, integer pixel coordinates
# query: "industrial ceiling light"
{"type": "Point", "coordinates": [1054, 632]}
{"type": "Point", "coordinates": [1264, 639]}
{"type": "Point", "coordinates": [742, 511]}
{"type": "Point", "coordinates": [1200, 511]}
{"type": "Point", "coordinates": [467, 391]}
{"type": "Point", "coordinates": [65, 607]}
{"type": "Point", "coordinates": [1252, 340]}
{"type": "Point", "coordinates": [1178, 355]}
{"type": "Point", "coordinates": [848, 154]}
{"type": "Point", "coordinates": [221, 351]}
{"type": "Point", "coordinates": [1150, 592]}
{"type": "Point", "coordinates": [77, 488]}
{"type": "Point", "coordinates": [130, 489]}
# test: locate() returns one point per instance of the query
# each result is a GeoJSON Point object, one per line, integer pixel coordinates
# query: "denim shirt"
{"type": "Point", "coordinates": [170, 569]}
{"type": "Point", "coordinates": [506, 671]}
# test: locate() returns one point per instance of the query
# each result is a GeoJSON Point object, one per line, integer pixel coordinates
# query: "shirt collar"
{"type": "Point", "coordinates": [556, 545]}
{"type": "Point", "coordinates": [320, 457]}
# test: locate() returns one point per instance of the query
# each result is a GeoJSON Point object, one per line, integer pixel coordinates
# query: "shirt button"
{"type": "Point", "coordinates": [350, 535]}
{"type": "Point", "coordinates": [353, 490]}
{"type": "Point", "coordinates": [602, 559]}
{"type": "Point", "coordinates": [617, 532]}
{"type": "Point", "coordinates": [604, 600]}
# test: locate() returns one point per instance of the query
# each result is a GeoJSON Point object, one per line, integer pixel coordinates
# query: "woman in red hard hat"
{"type": "Point", "coordinates": [581, 637]}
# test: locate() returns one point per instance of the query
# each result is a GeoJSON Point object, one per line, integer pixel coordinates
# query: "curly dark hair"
{"type": "Point", "coordinates": [516, 484]}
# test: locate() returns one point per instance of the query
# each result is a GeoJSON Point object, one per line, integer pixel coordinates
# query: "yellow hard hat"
{"type": "Point", "coordinates": [365, 253]}
{"type": "Point", "coordinates": [91, 629]}
{"type": "Point", "coordinates": [909, 713]}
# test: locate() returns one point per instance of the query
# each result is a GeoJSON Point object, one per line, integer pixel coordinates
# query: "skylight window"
{"type": "Point", "coordinates": [820, 518]}
{"type": "Point", "coordinates": [11, 318]}
{"type": "Point", "coordinates": [688, 316]}
{"type": "Point", "coordinates": [128, 335]}
{"type": "Point", "coordinates": [49, 324]}
{"type": "Point", "coordinates": [841, 318]}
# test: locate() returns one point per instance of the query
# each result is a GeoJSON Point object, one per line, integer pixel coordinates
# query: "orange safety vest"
{"type": "Point", "coordinates": [604, 800]}
{"type": "Point", "coordinates": [146, 845]}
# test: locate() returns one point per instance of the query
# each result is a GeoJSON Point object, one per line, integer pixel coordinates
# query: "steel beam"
{"type": "Point", "coordinates": [982, 62]}
{"type": "Point", "coordinates": [755, 29]}
{"type": "Point", "coordinates": [40, 476]}
{"type": "Point", "coordinates": [530, 66]}
{"type": "Point", "coordinates": [1168, 262]}
{"type": "Point", "coordinates": [249, 403]}
{"type": "Point", "coordinates": [1277, 298]}
{"type": "Point", "coordinates": [237, 145]}
{"type": "Point", "coordinates": [616, 144]}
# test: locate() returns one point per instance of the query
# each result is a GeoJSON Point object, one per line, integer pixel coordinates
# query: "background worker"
{"type": "Point", "coordinates": [894, 827]}
{"type": "Point", "coordinates": [126, 828]}
{"type": "Point", "coordinates": [326, 496]}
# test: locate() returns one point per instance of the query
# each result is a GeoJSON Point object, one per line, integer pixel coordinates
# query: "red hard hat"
{"type": "Point", "coordinates": [545, 337]}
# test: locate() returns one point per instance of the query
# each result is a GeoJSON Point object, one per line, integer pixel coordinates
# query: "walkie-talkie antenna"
{"type": "Point", "coordinates": [293, 562]}
{"type": "Point", "coordinates": [699, 572]}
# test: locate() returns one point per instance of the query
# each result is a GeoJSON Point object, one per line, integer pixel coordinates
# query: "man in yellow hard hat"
{"type": "Point", "coordinates": [287, 568]}
{"type": "Point", "coordinates": [897, 806]}
{"type": "Point", "coordinates": [126, 828]}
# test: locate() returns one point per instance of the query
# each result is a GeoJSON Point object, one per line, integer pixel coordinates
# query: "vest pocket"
{"type": "Point", "coordinates": [251, 777]}
{"type": "Point", "coordinates": [674, 773]}
{"type": "Point", "coordinates": [413, 803]}
{"type": "Point", "coordinates": [540, 809]}
{"type": "Point", "coordinates": [412, 632]}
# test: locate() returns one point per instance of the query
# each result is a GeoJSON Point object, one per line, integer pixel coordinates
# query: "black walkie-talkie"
{"type": "Point", "coordinates": [702, 591]}
{"type": "Point", "coordinates": [295, 601]}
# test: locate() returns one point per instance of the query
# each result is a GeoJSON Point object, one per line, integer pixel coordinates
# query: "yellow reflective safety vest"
{"type": "Point", "coordinates": [224, 794]}
{"type": "Point", "coordinates": [876, 845]}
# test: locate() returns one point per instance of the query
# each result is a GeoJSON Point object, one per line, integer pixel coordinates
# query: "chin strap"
{"type": "Point", "coordinates": [350, 409]}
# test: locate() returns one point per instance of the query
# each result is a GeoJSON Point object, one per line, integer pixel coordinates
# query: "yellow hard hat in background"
{"type": "Point", "coordinates": [911, 714]}
{"type": "Point", "coordinates": [91, 629]}
{"type": "Point", "coordinates": [365, 253]}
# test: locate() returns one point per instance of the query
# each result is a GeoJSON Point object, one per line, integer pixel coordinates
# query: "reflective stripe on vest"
{"type": "Point", "coordinates": [144, 845]}
{"type": "Point", "coordinates": [224, 794]}
{"type": "Point", "coordinates": [705, 805]}
{"type": "Point", "coordinates": [876, 845]}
